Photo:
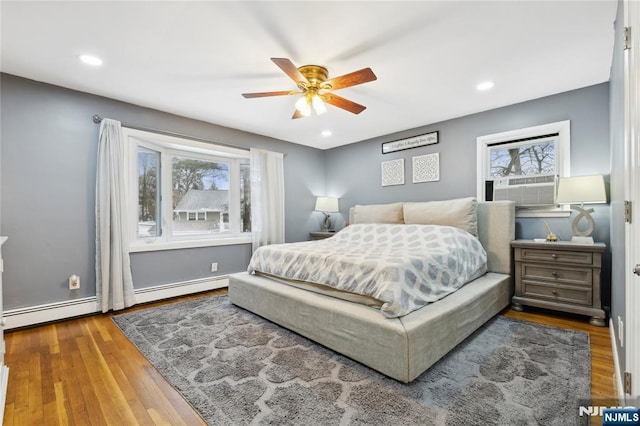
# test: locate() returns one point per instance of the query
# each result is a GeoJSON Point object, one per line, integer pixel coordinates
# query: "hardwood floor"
{"type": "Point", "coordinates": [86, 372]}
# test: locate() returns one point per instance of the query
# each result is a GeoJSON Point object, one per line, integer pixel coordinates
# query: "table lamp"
{"type": "Point", "coordinates": [327, 205]}
{"type": "Point", "coordinates": [582, 190]}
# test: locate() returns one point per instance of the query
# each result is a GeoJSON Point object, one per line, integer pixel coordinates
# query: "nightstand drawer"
{"type": "Point", "coordinates": [575, 295]}
{"type": "Point", "coordinates": [573, 257]}
{"type": "Point", "coordinates": [557, 274]}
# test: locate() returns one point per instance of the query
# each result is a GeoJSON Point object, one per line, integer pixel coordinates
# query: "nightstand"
{"type": "Point", "coordinates": [562, 276]}
{"type": "Point", "coordinates": [321, 235]}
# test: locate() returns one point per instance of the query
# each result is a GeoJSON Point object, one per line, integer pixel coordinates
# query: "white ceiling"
{"type": "Point", "coordinates": [196, 58]}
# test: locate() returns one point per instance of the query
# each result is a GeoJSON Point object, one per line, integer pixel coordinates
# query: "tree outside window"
{"type": "Point", "coordinates": [523, 160]}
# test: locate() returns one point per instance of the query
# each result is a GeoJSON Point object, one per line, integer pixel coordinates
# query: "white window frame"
{"type": "Point", "coordinates": [563, 158]}
{"type": "Point", "coordinates": [169, 145]}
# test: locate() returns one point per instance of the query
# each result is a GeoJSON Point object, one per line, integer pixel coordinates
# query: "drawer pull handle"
{"type": "Point", "coordinates": [554, 292]}
{"type": "Point", "coordinates": [555, 274]}
{"type": "Point", "coordinates": [554, 256]}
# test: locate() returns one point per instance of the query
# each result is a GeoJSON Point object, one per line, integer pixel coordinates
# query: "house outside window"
{"type": "Point", "coordinates": [185, 193]}
{"type": "Point", "coordinates": [523, 166]}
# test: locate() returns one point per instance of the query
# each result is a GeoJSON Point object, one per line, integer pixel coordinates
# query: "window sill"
{"type": "Point", "coordinates": [176, 245]}
{"type": "Point", "coordinates": [542, 213]}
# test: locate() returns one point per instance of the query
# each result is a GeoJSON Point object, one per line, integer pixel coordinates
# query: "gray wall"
{"type": "Point", "coordinates": [48, 165]}
{"type": "Point", "coordinates": [616, 96]}
{"type": "Point", "coordinates": [353, 171]}
{"type": "Point", "coordinates": [48, 148]}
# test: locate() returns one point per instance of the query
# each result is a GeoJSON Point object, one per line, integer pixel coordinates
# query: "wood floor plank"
{"type": "Point", "coordinates": [70, 386]}
{"type": "Point", "coordinates": [61, 408]}
{"type": "Point", "coordinates": [36, 413]}
{"type": "Point", "coordinates": [86, 372]}
{"type": "Point", "coordinates": [104, 385]}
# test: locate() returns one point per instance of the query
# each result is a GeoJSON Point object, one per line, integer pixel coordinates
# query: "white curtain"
{"type": "Point", "coordinates": [267, 197]}
{"type": "Point", "coordinates": [114, 285]}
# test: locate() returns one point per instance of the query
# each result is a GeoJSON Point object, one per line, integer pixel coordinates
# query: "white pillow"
{"type": "Point", "coordinates": [460, 212]}
{"type": "Point", "coordinates": [378, 213]}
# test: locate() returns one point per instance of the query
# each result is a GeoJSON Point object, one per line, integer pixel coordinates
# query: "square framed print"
{"type": "Point", "coordinates": [426, 168]}
{"type": "Point", "coordinates": [393, 172]}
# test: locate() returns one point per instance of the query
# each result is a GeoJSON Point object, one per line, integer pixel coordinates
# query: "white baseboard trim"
{"type": "Point", "coordinates": [32, 315]}
{"type": "Point", "coordinates": [166, 291]}
{"type": "Point", "coordinates": [617, 375]}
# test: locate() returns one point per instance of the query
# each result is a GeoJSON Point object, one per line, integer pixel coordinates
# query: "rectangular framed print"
{"type": "Point", "coordinates": [412, 142]}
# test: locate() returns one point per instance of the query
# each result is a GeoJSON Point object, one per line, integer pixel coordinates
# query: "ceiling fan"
{"type": "Point", "coordinates": [316, 89]}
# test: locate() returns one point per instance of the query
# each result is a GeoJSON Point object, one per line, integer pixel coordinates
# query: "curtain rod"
{"type": "Point", "coordinates": [97, 119]}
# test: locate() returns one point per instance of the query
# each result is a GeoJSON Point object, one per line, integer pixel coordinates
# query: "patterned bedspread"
{"type": "Point", "coordinates": [403, 266]}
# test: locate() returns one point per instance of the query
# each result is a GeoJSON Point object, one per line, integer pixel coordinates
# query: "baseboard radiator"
{"type": "Point", "coordinates": [32, 315]}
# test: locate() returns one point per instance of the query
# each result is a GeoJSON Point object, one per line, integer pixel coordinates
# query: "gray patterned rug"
{"type": "Point", "coordinates": [237, 368]}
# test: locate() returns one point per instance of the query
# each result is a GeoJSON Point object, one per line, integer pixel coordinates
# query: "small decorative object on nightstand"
{"type": "Point", "coordinates": [321, 235]}
{"type": "Point", "coordinates": [563, 276]}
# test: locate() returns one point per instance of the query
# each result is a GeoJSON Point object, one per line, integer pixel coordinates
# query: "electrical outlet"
{"type": "Point", "coordinates": [214, 267]}
{"type": "Point", "coordinates": [621, 331]}
{"type": "Point", "coordinates": [74, 282]}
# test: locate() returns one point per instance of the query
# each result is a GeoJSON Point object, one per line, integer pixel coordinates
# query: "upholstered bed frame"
{"type": "Point", "coordinates": [404, 347]}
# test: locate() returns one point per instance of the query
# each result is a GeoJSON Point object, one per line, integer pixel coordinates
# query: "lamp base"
{"type": "Point", "coordinates": [326, 224]}
{"type": "Point", "coordinates": [582, 240]}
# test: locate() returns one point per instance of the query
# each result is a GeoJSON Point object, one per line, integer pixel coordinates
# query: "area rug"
{"type": "Point", "coordinates": [237, 368]}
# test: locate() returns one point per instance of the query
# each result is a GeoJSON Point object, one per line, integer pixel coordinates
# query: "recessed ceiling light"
{"type": "Point", "coordinates": [91, 60]}
{"type": "Point", "coordinates": [485, 85]}
{"type": "Point", "coordinates": [326, 133]}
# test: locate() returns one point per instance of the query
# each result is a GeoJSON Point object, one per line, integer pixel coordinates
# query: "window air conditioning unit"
{"type": "Point", "coordinates": [530, 191]}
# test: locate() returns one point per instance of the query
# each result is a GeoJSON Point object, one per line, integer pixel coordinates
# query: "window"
{"type": "Point", "coordinates": [523, 166]}
{"type": "Point", "coordinates": [148, 192]}
{"type": "Point", "coordinates": [184, 193]}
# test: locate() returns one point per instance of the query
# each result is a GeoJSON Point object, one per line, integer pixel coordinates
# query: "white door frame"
{"type": "Point", "coordinates": [632, 193]}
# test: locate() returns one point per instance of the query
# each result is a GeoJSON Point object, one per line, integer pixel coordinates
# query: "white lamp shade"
{"type": "Point", "coordinates": [327, 204]}
{"type": "Point", "coordinates": [318, 105]}
{"type": "Point", "coordinates": [303, 106]}
{"type": "Point", "coordinates": [581, 189]}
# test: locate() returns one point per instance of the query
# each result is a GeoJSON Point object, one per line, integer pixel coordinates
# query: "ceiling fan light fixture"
{"type": "Point", "coordinates": [317, 89]}
{"type": "Point", "coordinates": [318, 104]}
{"type": "Point", "coordinates": [303, 106]}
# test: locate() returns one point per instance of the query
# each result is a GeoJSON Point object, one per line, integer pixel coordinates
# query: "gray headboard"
{"type": "Point", "coordinates": [496, 230]}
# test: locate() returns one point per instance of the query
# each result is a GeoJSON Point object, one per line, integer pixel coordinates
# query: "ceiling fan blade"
{"type": "Point", "coordinates": [343, 103]}
{"type": "Point", "coordinates": [364, 75]}
{"type": "Point", "coordinates": [265, 94]}
{"type": "Point", "coordinates": [297, 114]}
{"type": "Point", "coordinates": [290, 69]}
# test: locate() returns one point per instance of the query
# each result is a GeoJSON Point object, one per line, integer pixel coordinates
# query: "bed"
{"type": "Point", "coordinates": [400, 346]}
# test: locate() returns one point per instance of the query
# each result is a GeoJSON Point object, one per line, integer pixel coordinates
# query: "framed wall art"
{"type": "Point", "coordinates": [393, 172]}
{"type": "Point", "coordinates": [426, 168]}
{"type": "Point", "coordinates": [409, 143]}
